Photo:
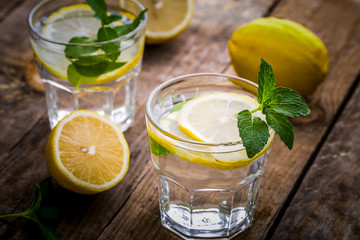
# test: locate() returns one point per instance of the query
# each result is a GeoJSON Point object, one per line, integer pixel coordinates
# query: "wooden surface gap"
{"type": "Point", "coordinates": [271, 8]}
{"type": "Point", "coordinates": [312, 158]}
{"type": "Point", "coordinates": [9, 9]}
{"type": "Point", "coordinates": [15, 148]}
{"type": "Point", "coordinates": [121, 207]}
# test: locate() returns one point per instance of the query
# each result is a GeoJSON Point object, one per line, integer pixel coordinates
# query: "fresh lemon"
{"type": "Point", "coordinates": [299, 58]}
{"type": "Point", "coordinates": [166, 18]}
{"type": "Point", "coordinates": [78, 20]}
{"type": "Point", "coordinates": [210, 118]}
{"type": "Point", "coordinates": [87, 153]}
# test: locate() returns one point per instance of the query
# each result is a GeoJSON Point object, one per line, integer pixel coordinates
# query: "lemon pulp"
{"type": "Point", "coordinates": [87, 153]}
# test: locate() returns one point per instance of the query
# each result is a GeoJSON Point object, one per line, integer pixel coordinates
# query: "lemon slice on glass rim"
{"type": "Point", "coordinates": [87, 153]}
{"type": "Point", "coordinates": [210, 119]}
{"type": "Point", "coordinates": [78, 20]}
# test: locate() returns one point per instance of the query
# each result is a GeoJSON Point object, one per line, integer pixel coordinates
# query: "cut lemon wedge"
{"type": "Point", "coordinates": [75, 21]}
{"type": "Point", "coordinates": [166, 18]}
{"type": "Point", "coordinates": [87, 153]}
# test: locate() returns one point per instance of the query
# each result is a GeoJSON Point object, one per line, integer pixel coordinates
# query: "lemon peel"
{"type": "Point", "coordinates": [299, 58]}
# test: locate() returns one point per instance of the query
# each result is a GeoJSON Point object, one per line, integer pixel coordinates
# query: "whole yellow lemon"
{"type": "Point", "coordinates": [299, 58]}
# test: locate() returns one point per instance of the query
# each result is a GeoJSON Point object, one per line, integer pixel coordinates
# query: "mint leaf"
{"type": "Point", "coordinates": [282, 126]}
{"type": "Point", "coordinates": [95, 70]}
{"type": "Point", "coordinates": [100, 9]}
{"type": "Point", "coordinates": [112, 18]}
{"type": "Point", "coordinates": [266, 82]}
{"type": "Point", "coordinates": [253, 131]}
{"type": "Point", "coordinates": [177, 107]}
{"type": "Point", "coordinates": [48, 232]}
{"type": "Point", "coordinates": [111, 49]}
{"type": "Point", "coordinates": [277, 103]}
{"type": "Point", "coordinates": [127, 28]}
{"type": "Point", "coordinates": [77, 51]}
{"type": "Point", "coordinates": [79, 73]}
{"type": "Point", "coordinates": [156, 148]}
{"type": "Point", "coordinates": [75, 78]}
{"type": "Point", "coordinates": [288, 102]}
{"type": "Point", "coordinates": [42, 190]}
{"type": "Point", "coordinates": [88, 66]}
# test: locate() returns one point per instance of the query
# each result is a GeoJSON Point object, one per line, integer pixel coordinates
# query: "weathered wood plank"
{"type": "Point", "coordinates": [327, 203]}
{"type": "Point", "coordinates": [327, 19]}
{"type": "Point", "coordinates": [20, 106]}
{"type": "Point", "coordinates": [7, 6]}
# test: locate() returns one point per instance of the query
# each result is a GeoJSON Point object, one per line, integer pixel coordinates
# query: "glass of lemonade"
{"type": "Point", "coordinates": [106, 71]}
{"type": "Point", "coordinates": [207, 184]}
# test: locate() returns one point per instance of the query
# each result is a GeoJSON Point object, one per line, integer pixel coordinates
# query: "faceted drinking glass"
{"type": "Point", "coordinates": [200, 198]}
{"type": "Point", "coordinates": [111, 93]}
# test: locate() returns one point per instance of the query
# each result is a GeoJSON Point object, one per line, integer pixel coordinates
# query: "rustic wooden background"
{"type": "Point", "coordinates": [311, 192]}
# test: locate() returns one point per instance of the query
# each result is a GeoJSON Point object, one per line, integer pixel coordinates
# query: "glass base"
{"type": "Point", "coordinates": [206, 223]}
{"type": "Point", "coordinates": [207, 213]}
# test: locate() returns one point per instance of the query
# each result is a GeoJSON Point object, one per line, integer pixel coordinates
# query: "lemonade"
{"type": "Point", "coordinates": [207, 187]}
{"type": "Point", "coordinates": [85, 62]}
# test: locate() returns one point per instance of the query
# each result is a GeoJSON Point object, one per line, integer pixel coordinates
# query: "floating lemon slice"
{"type": "Point", "coordinates": [87, 153]}
{"type": "Point", "coordinates": [77, 20]}
{"type": "Point", "coordinates": [210, 118]}
{"type": "Point", "coordinates": [166, 18]}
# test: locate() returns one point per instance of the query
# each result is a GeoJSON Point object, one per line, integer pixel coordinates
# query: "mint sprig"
{"type": "Point", "coordinates": [277, 104]}
{"type": "Point", "coordinates": [39, 211]}
{"type": "Point", "coordinates": [156, 148]}
{"type": "Point", "coordinates": [86, 64]}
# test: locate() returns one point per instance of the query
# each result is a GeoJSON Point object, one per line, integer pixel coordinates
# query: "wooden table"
{"type": "Point", "coordinates": [311, 192]}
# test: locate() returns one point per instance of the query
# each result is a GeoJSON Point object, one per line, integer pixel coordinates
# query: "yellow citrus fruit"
{"type": "Point", "coordinates": [77, 20]}
{"type": "Point", "coordinates": [167, 19]}
{"type": "Point", "coordinates": [87, 153]}
{"type": "Point", "coordinates": [299, 58]}
{"type": "Point", "coordinates": [209, 118]}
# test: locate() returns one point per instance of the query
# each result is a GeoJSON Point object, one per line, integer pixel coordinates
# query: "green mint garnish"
{"type": "Point", "coordinates": [157, 149]}
{"type": "Point", "coordinates": [39, 212]}
{"type": "Point", "coordinates": [253, 131]}
{"type": "Point", "coordinates": [85, 65]}
{"type": "Point", "coordinates": [277, 104]}
{"type": "Point", "coordinates": [177, 107]}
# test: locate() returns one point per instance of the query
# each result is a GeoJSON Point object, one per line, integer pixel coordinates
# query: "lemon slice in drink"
{"type": "Point", "coordinates": [87, 153]}
{"type": "Point", "coordinates": [212, 118]}
{"type": "Point", "coordinates": [166, 18]}
{"type": "Point", "coordinates": [75, 21]}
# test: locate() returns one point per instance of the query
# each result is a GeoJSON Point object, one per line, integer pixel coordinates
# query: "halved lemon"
{"type": "Point", "coordinates": [166, 18]}
{"type": "Point", "coordinates": [87, 153]}
{"type": "Point", "coordinates": [77, 20]}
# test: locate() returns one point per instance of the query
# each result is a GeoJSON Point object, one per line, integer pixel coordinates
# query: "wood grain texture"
{"type": "Point", "coordinates": [131, 210]}
{"type": "Point", "coordinates": [326, 205]}
{"type": "Point", "coordinates": [285, 166]}
{"type": "Point", "coordinates": [21, 107]}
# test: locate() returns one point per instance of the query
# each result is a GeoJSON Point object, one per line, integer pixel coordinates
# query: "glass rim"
{"type": "Point", "coordinates": [130, 34]}
{"type": "Point", "coordinates": [174, 137]}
